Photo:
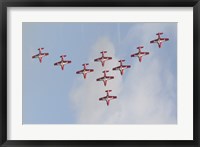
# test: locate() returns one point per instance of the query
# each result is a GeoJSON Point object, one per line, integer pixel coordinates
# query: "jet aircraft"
{"type": "Point", "coordinates": [62, 62]}
{"type": "Point", "coordinates": [107, 98]}
{"type": "Point", "coordinates": [159, 40]}
{"type": "Point", "coordinates": [140, 54]}
{"type": "Point", "coordinates": [121, 67]}
{"type": "Point", "coordinates": [85, 71]}
{"type": "Point", "coordinates": [103, 59]}
{"type": "Point", "coordinates": [40, 55]}
{"type": "Point", "coordinates": [105, 78]}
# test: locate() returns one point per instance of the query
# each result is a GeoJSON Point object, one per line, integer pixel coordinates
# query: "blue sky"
{"type": "Point", "coordinates": [147, 93]}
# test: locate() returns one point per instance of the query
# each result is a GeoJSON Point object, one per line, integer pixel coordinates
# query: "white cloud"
{"type": "Point", "coordinates": [87, 92]}
{"type": "Point", "coordinates": [146, 94]}
{"type": "Point", "coordinates": [146, 99]}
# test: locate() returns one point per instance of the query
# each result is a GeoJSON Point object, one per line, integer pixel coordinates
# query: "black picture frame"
{"type": "Point", "coordinates": [4, 4]}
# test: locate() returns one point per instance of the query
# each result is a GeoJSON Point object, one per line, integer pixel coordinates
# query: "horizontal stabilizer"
{"type": "Point", "coordinates": [121, 60]}
{"type": "Point", "coordinates": [103, 52]}
{"type": "Point", "coordinates": [41, 48]}
{"type": "Point", "coordinates": [105, 71]}
{"type": "Point", "coordinates": [108, 90]}
{"type": "Point", "coordinates": [160, 33]}
{"type": "Point", "coordinates": [85, 64]}
{"type": "Point", "coordinates": [139, 47]}
{"type": "Point", "coordinates": [62, 56]}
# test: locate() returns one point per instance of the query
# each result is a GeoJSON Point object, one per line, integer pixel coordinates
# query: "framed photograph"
{"type": "Point", "coordinates": [99, 73]}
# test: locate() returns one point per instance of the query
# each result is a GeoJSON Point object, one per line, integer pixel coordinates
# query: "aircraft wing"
{"type": "Point", "coordinates": [57, 63]}
{"type": "Point", "coordinates": [79, 72]}
{"type": "Point", "coordinates": [102, 98]}
{"type": "Point", "coordinates": [108, 58]}
{"type": "Point", "coordinates": [145, 53]}
{"type": "Point", "coordinates": [99, 79]}
{"type": "Point", "coordinates": [35, 56]}
{"type": "Point", "coordinates": [67, 61]}
{"type": "Point", "coordinates": [116, 68]}
{"type": "Point", "coordinates": [127, 66]}
{"type": "Point", "coordinates": [110, 77]}
{"type": "Point", "coordinates": [45, 54]}
{"type": "Point", "coordinates": [112, 97]}
{"type": "Point", "coordinates": [134, 55]}
{"type": "Point", "coordinates": [154, 41]}
{"type": "Point", "coordinates": [98, 59]}
{"type": "Point", "coordinates": [90, 70]}
{"type": "Point", "coordinates": [166, 39]}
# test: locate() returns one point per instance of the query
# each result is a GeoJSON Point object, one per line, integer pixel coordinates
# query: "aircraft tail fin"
{"type": "Point", "coordinates": [85, 64]}
{"type": "Point", "coordinates": [41, 48]}
{"type": "Point", "coordinates": [159, 33]}
{"type": "Point", "coordinates": [105, 71]}
{"type": "Point", "coordinates": [140, 47]}
{"type": "Point", "coordinates": [108, 91]}
{"type": "Point", "coordinates": [62, 56]}
{"type": "Point", "coordinates": [121, 61]}
{"type": "Point", "coordinates": [103, 52]}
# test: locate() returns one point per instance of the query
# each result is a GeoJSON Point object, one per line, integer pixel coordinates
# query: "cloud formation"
{"type": "Point", "coordinates": [86, 92]}
{"type": "Point", "coordinates": [146, 94]}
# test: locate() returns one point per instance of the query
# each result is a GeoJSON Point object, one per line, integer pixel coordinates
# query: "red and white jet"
{"type": "Point", "coordinates": [62, 62]}
{"type": "Point", "coordinates": [121, 67]}
{"type": "Point", "coordinates": [40, 55]}
{"type": "Point", "coordinates": [159, 40]}
{"type": "Point", "coordinates": [84, 71]}
{"type": "Point", "coordinates": [105, 78]}
{"type": "Point", "coordinates": [140, 54]}
{"type": "Point", "coordinates": [102, 59]}
{"type": "Point", "coordinates": [107, 98]}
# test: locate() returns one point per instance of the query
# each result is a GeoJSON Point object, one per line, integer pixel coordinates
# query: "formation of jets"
{"type": "Point", "coordinates": [103, 59]}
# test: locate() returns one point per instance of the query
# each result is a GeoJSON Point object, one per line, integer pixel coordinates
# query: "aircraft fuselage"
{"type": "Point", "coordinates": [140, 54]}
{"type": "Point", "coordinates": [160, 41]}
{"type": "Point", "coordinates": [40, 55]}
{"type": "Point", "coordinates": [85, 71]}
